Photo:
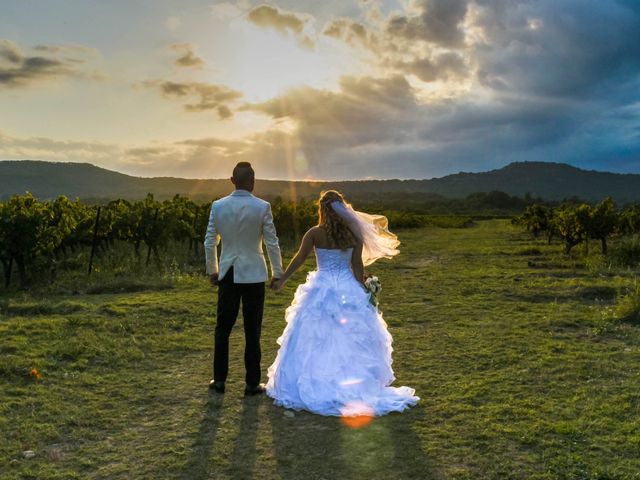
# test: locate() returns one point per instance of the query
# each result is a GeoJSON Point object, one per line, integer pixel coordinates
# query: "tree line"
{"type": "Point", "coordinates": [35, 235]}
{"type": "Point", "coordinates": [577, 223]}
{"type": "Point", "coordinates": [38, 237]}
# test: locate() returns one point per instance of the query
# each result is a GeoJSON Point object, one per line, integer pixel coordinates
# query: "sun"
{"type": "Point", "coordinates": [264, 63]}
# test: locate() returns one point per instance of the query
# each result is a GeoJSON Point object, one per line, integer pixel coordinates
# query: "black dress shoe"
{"type": "Point", "coordinates": [254, 390]}
{"type": "Point", "coordinates": [217, 387]}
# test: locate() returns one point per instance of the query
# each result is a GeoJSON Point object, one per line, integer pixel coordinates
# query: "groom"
{"type": "Point", "coordinates": [242, 221]}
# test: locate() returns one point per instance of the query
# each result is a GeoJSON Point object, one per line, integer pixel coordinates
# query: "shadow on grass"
{"type": "Point", "coordinates": [244, 453]}
{"type": "Point", "coordinates": [316, 447]}
{"type": "Point", "coordinates": [409, 458]}
{"type": "Point", "coordinates": [306, 446]}
{"type": "Point", "coordinates": [199, 464]}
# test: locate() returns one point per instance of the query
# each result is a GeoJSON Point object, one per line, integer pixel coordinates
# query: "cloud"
{"type": "Point", "coordinates": [439, 22]}
{"type": "Point", "coordinates": [365, 111]}
{"type": "Point", "coordinates": [566, 49]}
{"type": "Point", "coordinates": [229, 10]}
{"type": "Point", "coordinates": [191, 158]}
{"type": "Point", "coordinates": [52, 149]}
{"type": "Point", "coordinates": [208, 96]}
{"type": "Point", "coordinates": [570, 49]}
{"type": "Point", "coordinates": [188, 57]}
{"type": "Point", "coordinates": [283, 22]}
{"type": "Point", "coordinates": [355, 34]}
{"type": "Point", "coordinates": [18, 69]}
{"type": "Point", "coordinates": [10, 52]}
{"type": "Point", "coordinates": [443, 66]}
{"type": "Point", "coordinates": [376, 127]}
{"type": "Point", "coordinates": [398, 54]}
{"type": "Point", "coordinates": [542, 80]}
{"type": "Point", "coordinates": [224, 147]}
{"type": "Point", "coordinates": [273, 153]}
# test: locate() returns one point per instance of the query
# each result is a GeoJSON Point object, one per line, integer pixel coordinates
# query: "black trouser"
{"type": "Point", "coordinates": [229, 296]}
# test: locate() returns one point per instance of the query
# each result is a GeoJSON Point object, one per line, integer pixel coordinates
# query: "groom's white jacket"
{"type": "Point", "coordinates": [242, 221]}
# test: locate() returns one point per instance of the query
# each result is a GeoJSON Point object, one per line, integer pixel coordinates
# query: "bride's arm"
{"type": "Point", "coordinates": [296, 262]}
{"type": "Point", "coordinates": [356, 263]}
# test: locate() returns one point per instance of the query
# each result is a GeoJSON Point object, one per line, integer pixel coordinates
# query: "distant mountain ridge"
{"type": "Point", "coordinates": [550, 181]}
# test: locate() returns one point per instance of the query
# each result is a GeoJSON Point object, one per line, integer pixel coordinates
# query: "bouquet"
{"type": "Point", "coordinates": [373, 286]}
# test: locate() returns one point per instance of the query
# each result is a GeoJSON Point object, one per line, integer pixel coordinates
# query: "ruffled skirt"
{"type": "Point", "coordinates": [335, 353]}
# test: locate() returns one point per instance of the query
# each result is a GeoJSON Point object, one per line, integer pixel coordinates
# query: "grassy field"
{"type": "Point", "coordinates": [522, 370]}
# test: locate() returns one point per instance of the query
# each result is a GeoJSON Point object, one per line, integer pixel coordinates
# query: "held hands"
{"type": "Point", "coordinates": [277, 284]}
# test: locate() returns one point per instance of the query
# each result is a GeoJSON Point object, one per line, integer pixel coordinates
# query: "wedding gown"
{"type": "Point", "coordinates": [335, 351]}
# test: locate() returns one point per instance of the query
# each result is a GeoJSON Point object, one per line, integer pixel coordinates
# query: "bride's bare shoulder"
{"type": "Point", "coordinates": [315, 232]}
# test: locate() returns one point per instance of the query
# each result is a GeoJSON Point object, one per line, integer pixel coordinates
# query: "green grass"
{"type": "Point", "coordinates": [523, 367]}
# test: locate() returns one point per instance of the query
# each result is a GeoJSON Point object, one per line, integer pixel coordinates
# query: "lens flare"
{"type": "Point", "coordinates": [356, 415]}
{"type": "Point", "coordinates": [350, 381]}
{"type": "Point", "coordinates": [300, 164]}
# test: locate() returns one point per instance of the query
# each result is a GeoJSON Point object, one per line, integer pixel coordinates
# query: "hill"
{"type": "Point", "coordinates": [550, 181]}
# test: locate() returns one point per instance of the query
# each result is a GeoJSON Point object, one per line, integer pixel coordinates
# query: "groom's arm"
{"type": "Point", "coordinates": [211, 240]}
{"type": "Point", "coordinates": [271, 241]}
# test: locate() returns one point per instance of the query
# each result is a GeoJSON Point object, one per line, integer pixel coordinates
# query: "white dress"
{"type": "Point", "coordinates": [335, 351]}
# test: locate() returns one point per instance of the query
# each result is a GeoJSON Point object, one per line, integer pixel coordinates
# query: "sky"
{"type": "Point", "coordinates": [321, 90]}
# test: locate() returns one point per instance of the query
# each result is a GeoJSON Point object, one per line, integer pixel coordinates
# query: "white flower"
{"type": "Point", "coordinates": [373, 286]}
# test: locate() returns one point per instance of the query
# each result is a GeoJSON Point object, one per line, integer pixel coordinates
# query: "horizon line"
{"type": "Point", "coordinates": [315, 180]}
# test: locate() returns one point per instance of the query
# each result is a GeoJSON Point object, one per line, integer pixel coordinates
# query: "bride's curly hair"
{"type": "Point", "coordinates": [338, 233]}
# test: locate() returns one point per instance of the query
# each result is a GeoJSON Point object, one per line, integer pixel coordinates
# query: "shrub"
{"type": "Point", "coordinates": [628, 309]}
{"type": "Point", "coordinates": [626, 252]}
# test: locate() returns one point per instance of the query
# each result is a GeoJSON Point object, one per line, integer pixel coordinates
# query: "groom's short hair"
{"type": "Point", "coordinates": [243, 172]}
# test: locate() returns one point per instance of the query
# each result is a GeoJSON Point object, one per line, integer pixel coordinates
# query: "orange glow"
{"type": "Point", "coordinates": [356, 415]}
{"type": "Point", "coordinates": [356, 422]}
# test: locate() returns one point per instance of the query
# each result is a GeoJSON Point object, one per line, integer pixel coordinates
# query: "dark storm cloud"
{"type": "Point", "coordinates": [565, 49]}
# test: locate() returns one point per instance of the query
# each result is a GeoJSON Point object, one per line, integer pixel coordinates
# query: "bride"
{"type": "Point", "coordinates": [335, 352]}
